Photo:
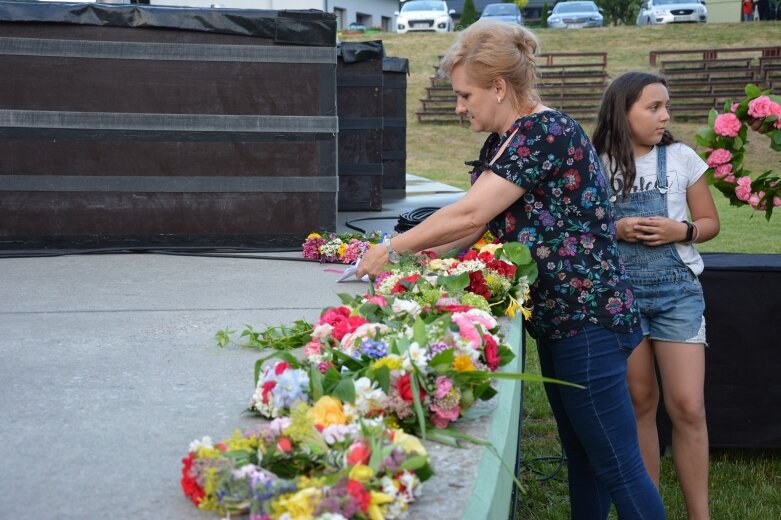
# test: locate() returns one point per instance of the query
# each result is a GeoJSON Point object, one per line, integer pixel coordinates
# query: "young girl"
{"type": "Point", "coordinates": [656, 180]}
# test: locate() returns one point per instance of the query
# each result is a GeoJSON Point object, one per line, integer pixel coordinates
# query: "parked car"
{"type": "Point", "coordinates": [502, 12]}
{"type": "Point", "coordinates": [424, 15]}
{"type": "Point", "coordinates": [653, 12]}
{"type": "Point", "coordinates": [574, 15]}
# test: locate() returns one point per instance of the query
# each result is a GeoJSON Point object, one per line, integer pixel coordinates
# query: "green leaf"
{"type": "Point", "coordinates": [315, 382]}
{"type": "Point", "coordinates": [415, 462]}
{"type": "Point", "coordinates": [418, 406]}
{"type": "Point", "coordinates": [445, 357]}
{"type": "Point", "coordinates": [223, 337]}
{"type": "Point", "coordinates": [737, 142]}
{"type": "Point", "coordinates": [752, 91]}
{"type": "Point", "coordinates": [712, 115]}
{"type": "Point", "coordinates": [420, 331]}
{"type": "Point", "coordinates": [345, 390]}
{"type": "Point", "coordinates": [382, 377]}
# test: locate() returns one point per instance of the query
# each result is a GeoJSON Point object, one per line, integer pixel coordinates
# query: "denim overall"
{"type": "Point", "coordinates": [658, 274]}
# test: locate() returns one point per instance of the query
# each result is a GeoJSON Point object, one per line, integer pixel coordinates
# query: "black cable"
{"type": "Point", "coordinates": [551, 475]}
{"type": "Point", "coordinates": [349, 224]}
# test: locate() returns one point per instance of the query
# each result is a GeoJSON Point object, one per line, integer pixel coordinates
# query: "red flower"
{"type": "Point", "coordinates": [268, 386]}
{"type": "Point", "coordinates": [281, 367]}
{"type": "Point", "coordinates": [359, 493]}
{"type": "Point", "coordinates": [477, 284]}
{"type": "Point", "coordinates": [404, 387]}
{"type": "Point", "coordinates": [358, 453]}
{"type": "Point", "coordinates": [454, 308]}
{"type": "Point", "coordinates": [491, 352]}
{"type": "Point", "coordinates": [189, 483]}
{"type": "Point", "coordinates": [284, 445]}
{"type": "Point", "coordinates": [404, 283]}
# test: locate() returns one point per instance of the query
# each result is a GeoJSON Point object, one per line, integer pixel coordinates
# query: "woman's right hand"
{"type": "Point", "coordinates": [372, 262]}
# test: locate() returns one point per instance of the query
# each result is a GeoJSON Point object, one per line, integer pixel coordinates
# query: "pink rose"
{"type": "Point", "coordinates": [723, 170]}
{"type": "Point", "coordinates": [753, 200]}
{"type": "Point", "coordinates": [730, 179]}
{"type": "Point", "coordinates": [734, 107]}
{"type": "Point", "coordinates": [761, 107]}
{"type": "Point", "coordinates": [743, 189]}
{"type": "Point", "coordinates": [441, 417]}
{"type": "Point", "coordinates": [727, 125]}
{"type": "Point", "coordinates": [719, 156]}
{"type": "Point", "coordinates": [776, 201]}
{"type": "Point", "coordinates": [443, 387]}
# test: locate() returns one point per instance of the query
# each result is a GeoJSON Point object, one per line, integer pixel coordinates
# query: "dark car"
{"type": "Point", "coordinates": [502, 12]}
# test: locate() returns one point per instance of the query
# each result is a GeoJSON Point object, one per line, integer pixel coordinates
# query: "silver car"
{"type": "Point", "coordinates": [654, 12]}
{"type": "Point", "coordinates": [574, 15]}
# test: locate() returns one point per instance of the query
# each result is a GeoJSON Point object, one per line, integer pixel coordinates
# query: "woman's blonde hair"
{"type": "Point", "coordinates": [490, 50]}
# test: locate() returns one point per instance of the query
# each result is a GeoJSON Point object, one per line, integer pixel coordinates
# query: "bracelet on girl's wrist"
{"type": "Point", "coordinates": [689, 231]}
{"type": "Point", "coordinates": [696, 233]}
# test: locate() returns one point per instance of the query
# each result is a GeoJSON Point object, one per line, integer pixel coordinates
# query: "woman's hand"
{"type": "Point", "coordinates": [657, 231]}
{"type": "Point", "coordinates": [372, 262]}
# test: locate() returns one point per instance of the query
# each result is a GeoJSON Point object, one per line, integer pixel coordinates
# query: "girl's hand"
{"type": "Point", "coordinates": [626, 229]}
{"type": "Point", "coordinates": [657, 231]}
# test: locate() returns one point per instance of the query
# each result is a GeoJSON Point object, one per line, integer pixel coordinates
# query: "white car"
{"type": "Point", "coordinates": [424, 15]}
{"type": "Point", "coordinates": [653, 12]}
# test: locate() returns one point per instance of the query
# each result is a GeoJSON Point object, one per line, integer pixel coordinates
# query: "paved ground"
{"type": "Point", "coordinates": [109, 368]}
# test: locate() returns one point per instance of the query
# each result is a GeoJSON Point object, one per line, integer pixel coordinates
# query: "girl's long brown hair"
{"type": "Point", "coordinates": [612, 137]}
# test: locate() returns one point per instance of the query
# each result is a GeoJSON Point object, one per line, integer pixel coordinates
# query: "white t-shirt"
{"type": "Point", "coordinates": [684, 168]}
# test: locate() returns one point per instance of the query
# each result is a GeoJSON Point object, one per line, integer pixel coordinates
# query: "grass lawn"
{"type": "Point", "coordinates": [744, 485]}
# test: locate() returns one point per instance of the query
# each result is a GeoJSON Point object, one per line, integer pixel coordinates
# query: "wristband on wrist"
{"type": "Point", "coordinates": [689, 231]}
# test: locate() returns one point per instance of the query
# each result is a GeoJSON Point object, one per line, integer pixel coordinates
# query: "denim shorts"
{"type": "Point", "coordinates": [671, 305]}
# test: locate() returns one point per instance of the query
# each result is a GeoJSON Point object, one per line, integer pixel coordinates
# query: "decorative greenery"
{"type": "Point", "coordinates": [725, 139]}
{"type": "Point", "coordinates": [281, 337]}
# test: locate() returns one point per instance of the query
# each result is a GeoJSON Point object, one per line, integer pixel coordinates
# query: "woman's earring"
{"type": "Point", "coordinates": [499, 100]}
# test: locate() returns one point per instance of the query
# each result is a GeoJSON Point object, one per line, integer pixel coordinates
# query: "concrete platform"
{"type": "Point", "coordinates": [109, 370]}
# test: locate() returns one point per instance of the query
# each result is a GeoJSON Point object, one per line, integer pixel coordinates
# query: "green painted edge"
{"type": "Point", "coordinates": [491, 493]}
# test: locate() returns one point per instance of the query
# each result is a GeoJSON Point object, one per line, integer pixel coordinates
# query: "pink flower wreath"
{"type": "Point", "coordinates": [724, 142]}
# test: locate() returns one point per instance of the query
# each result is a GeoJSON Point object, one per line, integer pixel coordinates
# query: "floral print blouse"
{"type": "Point", "coordinates": [566, 219]}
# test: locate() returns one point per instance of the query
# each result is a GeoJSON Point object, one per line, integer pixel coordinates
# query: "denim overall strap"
{"type": "Point", "coordinates": [642, 261]}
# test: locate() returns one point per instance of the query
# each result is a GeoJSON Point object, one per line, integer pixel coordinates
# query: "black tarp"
{"type": "Point", "coordinates": [304, 27]}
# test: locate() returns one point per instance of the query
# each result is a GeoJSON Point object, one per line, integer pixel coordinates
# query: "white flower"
{"type": "Point", "coordinates": [205, 442]}
{"type": "Point", "coordinates": [368, 396]}
{"type": "Point", "coordinates": [330, 516]}
{"type": "Point", "coordinates": [322, 331]}
{"type": "Point", "coordinates": [415, 355]}
{"type": "Point", "coordinates": [410, 307]}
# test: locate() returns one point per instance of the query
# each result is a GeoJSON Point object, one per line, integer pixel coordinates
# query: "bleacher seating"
{"type": "Point", "coordinates": [572, 82]}
{"type": "Point", "coordinates": [701, 79]}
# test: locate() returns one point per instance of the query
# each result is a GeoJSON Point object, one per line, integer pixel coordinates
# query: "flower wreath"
{"type": "Point", "coordinates": [725, 141]}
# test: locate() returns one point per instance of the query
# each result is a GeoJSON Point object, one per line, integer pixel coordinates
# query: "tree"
{"type": "Point", "coordinates": [619, 12]}
{"type": "Point", "coordinates": [544, 15]}
{"type": "Point", "coordinates": [469, 14]}
{"type": "Point", "coordinates": [520, 3]}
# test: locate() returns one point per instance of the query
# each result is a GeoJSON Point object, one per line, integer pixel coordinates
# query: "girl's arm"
{"type": "Point", "coordinates": [657, 231]}
{"type": "Point", "coordinates": [703, 211]}
{"type": "Point", "coordinates": [456, 223]}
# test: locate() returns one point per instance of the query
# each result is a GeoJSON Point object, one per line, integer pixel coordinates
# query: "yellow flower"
{"type": "Point", "coordinates": [512, 308]}
{"type": "Point", "coordinates": [463, 363]}
{"type": "Point", "coordinates": [490, 248]}
{"type": "Point", "coordinates": [392, 362]}
{"type": "Point", "coordinates": [313, 235]}
{"type": "Point", "coordinates": [240, 443]}
{"type": "Point", "coordinates": [327, 411]}
{"type": "Point", "coordinates": [299, 505]}
{"type": "Point", "coordinates": [361, 472]}
{"type": "Point", "coordinates": [342, 247]}
{"type": "Point", "coordinates": [375, 511]}
{"type": "Point", "coordinates": [409, 443]}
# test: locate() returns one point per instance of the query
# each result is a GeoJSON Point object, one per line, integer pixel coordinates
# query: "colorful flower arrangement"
{"type": "Point", "coordinates": [724, 142]}
{"type": "Point", "coordinates": [418, 367]}
{"type": "Point", "coordinates": [344, 248]}
{"type": "Point", "coordinates": [494, 277]}
{"type": "Point", "coordinates": [411, 357]}
{"type": "Point", "coordinates": [315, 463]}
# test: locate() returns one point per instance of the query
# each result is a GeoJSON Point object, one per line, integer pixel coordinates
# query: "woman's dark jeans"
{"type": "Point", "coordinates": [597, 424]}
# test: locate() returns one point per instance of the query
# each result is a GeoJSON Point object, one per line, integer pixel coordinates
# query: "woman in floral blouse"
{"type": "Point", "coordinates": [538, 181]}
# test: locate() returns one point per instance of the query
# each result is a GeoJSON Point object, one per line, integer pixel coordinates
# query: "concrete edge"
{"type": "Point", "coordinates": [491, 494]}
